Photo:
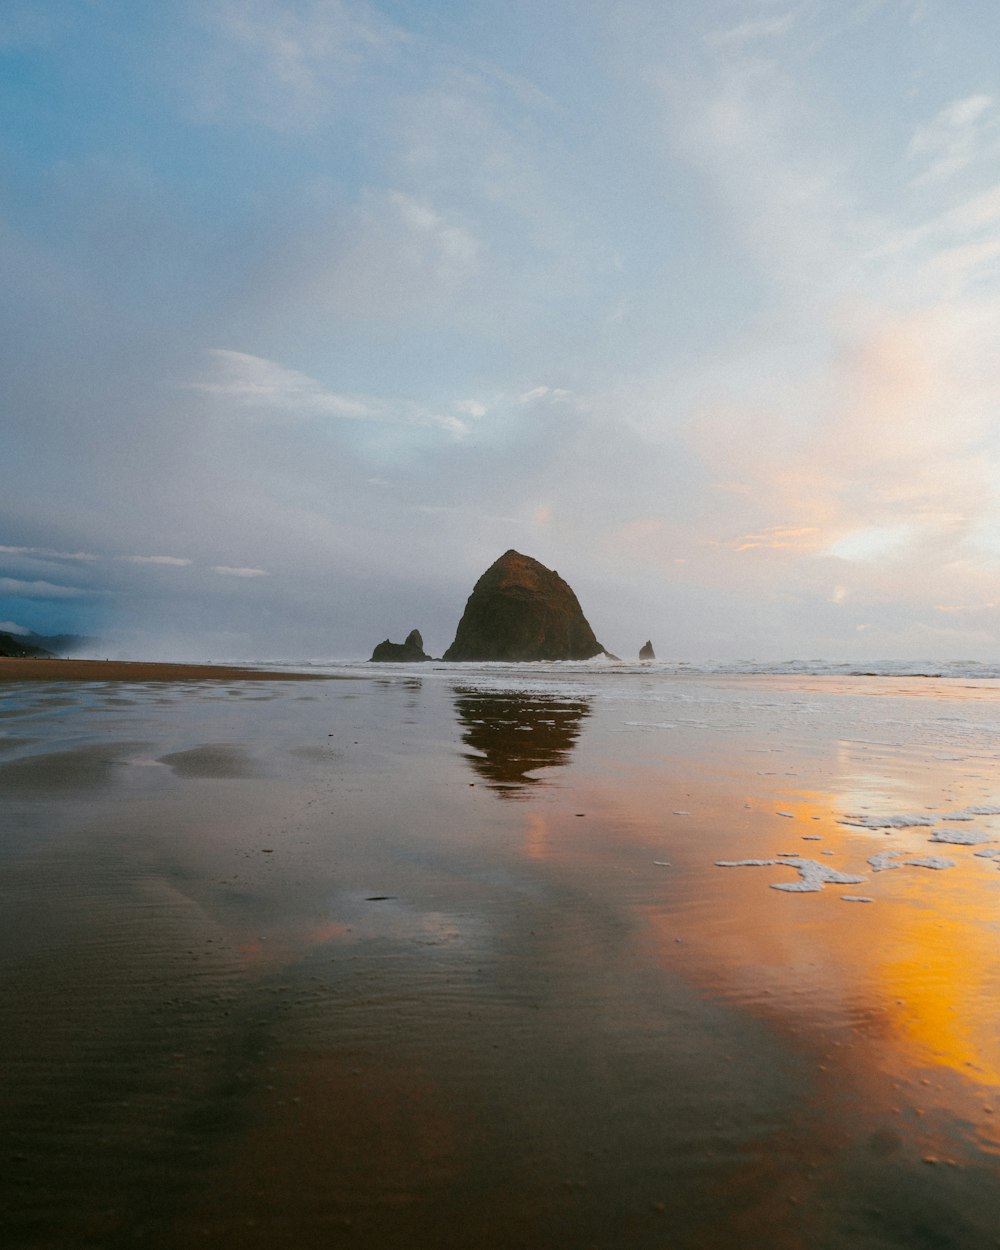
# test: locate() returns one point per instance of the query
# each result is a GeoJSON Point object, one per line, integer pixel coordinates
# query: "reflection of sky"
{"type": "Point", "coordinates": [512, 735]}
{"type": "Point", "coordinates": [895, 1001]}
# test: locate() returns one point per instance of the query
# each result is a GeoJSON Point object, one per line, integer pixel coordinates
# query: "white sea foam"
{"type": "Point", "coordinates": [886, 860]}
{"type": "Point", "coordinates": [882, 862]}
{"type": "Point", "coordinates": [962, 837]}
{"type": "Point", "coordinates": [813, 874]}
{"type": "Point", "coordinates": [914, 820]}
{"type": "Point", "coordinates": [911, 821]}
{"type": "Point", "coordinates": [954, 669]}
{"type": "Point", "coordinates": [930, 861]}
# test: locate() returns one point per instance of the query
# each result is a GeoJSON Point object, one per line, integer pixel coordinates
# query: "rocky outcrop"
{"type": "Point", "coordinates": [646, 651]}
{"type": "Point", "coordinates": [520, 610]}
{"type": "Point", "coordinates": [408, 652]}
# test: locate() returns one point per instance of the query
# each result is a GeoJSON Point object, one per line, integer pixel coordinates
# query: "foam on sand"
{"type": "Point", "coordinates": [814, 876]}
{"type": "Point", "coordinates": [936, 862]}
{"type": "Point", "coordinates": [914, 820]}
{"type": "Point", "coordinates": [962, 837]}
{"type": "Point", "coordinates": [885, 860]}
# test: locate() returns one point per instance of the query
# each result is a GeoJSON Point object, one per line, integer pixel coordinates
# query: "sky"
{"type": "Point", "coordinates": [311, 309]}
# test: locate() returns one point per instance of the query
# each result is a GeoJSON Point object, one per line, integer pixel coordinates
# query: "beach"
{"type": "Point", "coordinates": [427, 958]}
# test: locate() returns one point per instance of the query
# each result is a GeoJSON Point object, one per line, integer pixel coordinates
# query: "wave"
{"type": "Point", "coordinates": [973, 670]}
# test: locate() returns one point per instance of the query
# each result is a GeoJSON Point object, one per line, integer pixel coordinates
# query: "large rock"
{"type": "Point", "coordinates": [520, 610]}
{"type": "Point", "coordinates": [410, 651]}
{"type": "Point", "coordinates": [646, 651]}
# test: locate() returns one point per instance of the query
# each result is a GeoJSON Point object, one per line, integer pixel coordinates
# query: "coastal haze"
{"type": "Point", "coordinates": [313, 309]}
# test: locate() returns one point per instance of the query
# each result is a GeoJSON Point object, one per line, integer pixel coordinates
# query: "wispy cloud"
{"type": "Point", "coordinates": [779, 538]}
{"type": "Point", "coordinates": [47, 553]}
{"type": "Point", "coordinates": [954, 138]}
{"type": "Point", "coordinates": [257, 383]}
{"type": "Point", "coordinates": [759, 28]}
{"type": "Point", "coordinates": [286, 66]}
{"type": "Point", "coordinates": [177, 562]}
{"type": "Point", "coordinates": [229, 571]}
{"type": "Point", "coordinates": [37, 589]}
{"type": "Point", "coordinates": [551, 393]}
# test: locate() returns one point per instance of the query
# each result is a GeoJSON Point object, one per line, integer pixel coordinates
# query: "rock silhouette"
{"type": "Point", "coordinates": [646, 651]}
{"type": "Point", "coordinates": [409, 652]}
{"type": "Point", "coordinates": [512, 736]}
{"type": "Point", "coordinates": [520, 610]}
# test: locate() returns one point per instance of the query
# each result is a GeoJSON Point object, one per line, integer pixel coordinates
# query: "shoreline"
{"type": "Point", "coordinates": [39, 668]}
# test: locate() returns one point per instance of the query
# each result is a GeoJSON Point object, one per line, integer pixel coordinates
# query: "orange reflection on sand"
{"type": "Point", "coordinates": [938, 973]}
{"type": "Point", "coordinates": [537, 836]}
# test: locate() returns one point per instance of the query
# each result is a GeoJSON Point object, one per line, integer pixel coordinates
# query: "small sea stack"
{"type": "Point", "coordinates": [646, 651]}
{"type": "Point", "coordinates": [410, 651]}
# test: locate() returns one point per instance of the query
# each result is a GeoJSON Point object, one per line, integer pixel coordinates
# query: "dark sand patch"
{"type": "Point", "coordinates": [218, 760]}
{"type": "Point", "coordinates": [81, 769]}
{"type": "Point", "coordinates": [27, 669]}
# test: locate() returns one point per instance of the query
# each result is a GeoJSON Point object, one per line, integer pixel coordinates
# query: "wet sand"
{"type": "Point", "coordinates": [408, 963]}
{"type": "Point", "coordinates": [26, 668]}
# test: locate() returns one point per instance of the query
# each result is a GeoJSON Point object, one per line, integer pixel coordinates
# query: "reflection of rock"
{"type": "Point", "coordinates": [512, 735]}
{"type": "Point", "coordinates": [520, 610]}
{"type": "Point", "coordinates": [646, 651]}
{"type": "Point", "coordinates": [410, 651]}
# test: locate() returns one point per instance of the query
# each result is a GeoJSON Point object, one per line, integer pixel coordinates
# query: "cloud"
{"type": "Point", "coordinates": [472, 408]}
{"type": "Point", "coordinates": [954, 138]}
{"type": "Point", "coordinates": [255, 382]}
{"type": "Point", "coordinates": [446, 246]}
{"type": "Point", "coordinates": [779, 538]}
{"type": "Point", "coordinates": [169, 561]}
{"type": "Point", "coordinates": [848, 418]}
{"type": "Point", "coordinates": [757, 28]}
{"type": "Point", "coordinates": [37, 590]}
{"type": "Point", "coordinates": [228, 571]}
{"type": "Point", "coordinates": [12, 627]}
{"type": "Point", "coordinates": [286, 66]}
{"type": "Point", "coordinates": [550, 393]}
{"type": "Point", "coordinates": [393, 257]}
{"type": "Point", "coordinates": [46, 553]}
{"type": "Point", "coordinates": [872, 544]}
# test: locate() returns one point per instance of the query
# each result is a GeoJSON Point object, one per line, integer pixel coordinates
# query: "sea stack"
{"type": "Point", "coordinates": [646, 651]}
{"type": "Point", "coordinates": [520, 610]}
{"type": "Point", "coordinates": [409, 652]}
